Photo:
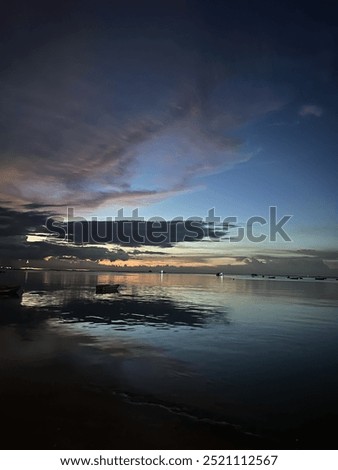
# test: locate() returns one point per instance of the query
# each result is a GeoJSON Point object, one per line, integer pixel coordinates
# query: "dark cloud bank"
{"type": "Point", "coordinates": [64, 245]}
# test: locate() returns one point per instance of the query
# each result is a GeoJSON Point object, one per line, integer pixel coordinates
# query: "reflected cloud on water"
{"type": "Point", "coordinates": [130, 308]}
{"type": "Point", "coordinates": [161, 301]}
{"type": "Point", "coordinates": [148, 300]}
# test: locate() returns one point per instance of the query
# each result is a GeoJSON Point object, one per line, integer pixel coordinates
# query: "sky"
{"type": "Point", "coordinates": [173, 110]}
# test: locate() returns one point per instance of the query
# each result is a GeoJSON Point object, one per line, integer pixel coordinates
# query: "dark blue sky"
{"type": "Point", "coordinates": [175, 108]}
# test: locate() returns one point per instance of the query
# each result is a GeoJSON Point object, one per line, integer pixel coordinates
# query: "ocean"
{"type": "Point", "coordinates": [171, 360]}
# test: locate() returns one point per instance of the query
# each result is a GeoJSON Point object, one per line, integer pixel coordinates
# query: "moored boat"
{"type": "Point", "coordinates": [107, 288]}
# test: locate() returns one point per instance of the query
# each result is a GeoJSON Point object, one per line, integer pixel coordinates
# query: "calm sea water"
{"type": "Point", "coordinates": [258, 353]}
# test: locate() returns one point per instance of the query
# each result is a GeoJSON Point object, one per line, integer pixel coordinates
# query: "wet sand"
{"type": "Point", "coordinates": [41, 412]}
{"type": "Point", "coordinates": [38, 412]}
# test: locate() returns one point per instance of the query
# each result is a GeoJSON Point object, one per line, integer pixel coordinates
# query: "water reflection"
{"type": "Point", "coordinates": [154, 300]}
{"type": "Point", "coordinates": [160, 300]}
{"type": "Point", "coordinates": [51, 299]}
{"type": "Point", "coordinates": [129, 309]}
{"type": "Point", "coordinates": [258, 352]}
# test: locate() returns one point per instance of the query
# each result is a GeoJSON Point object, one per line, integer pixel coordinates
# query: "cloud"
{"type": "Point", "coordinates": [310, 110]}
{"type": "Point", "coordinates": [23, 235]}
{"type": "Point", "coordinates": [294, 262]}
{"type": "Point", "coordinates": [18, 248]}
{"type": "Point", "coordinates": [143, 233]}
{"type": "Point", "coordinates": [16, 228]}
{"type": "Point", "coordinates": [88, 120]}
{"type": "Point", "coordinates": [16, 223]}
{"type": "Point", "coordinates": [38, 235]}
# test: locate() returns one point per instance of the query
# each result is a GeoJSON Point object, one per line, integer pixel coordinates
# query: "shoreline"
{"type": "Point", "coordinates": [44, 410]}
{"type": "Point", "coordinates": [68, 417]}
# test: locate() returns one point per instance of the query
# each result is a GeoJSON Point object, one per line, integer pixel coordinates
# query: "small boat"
{"type": "Point", "coordinates": [320, 278]}
{"type": "Point", "coordinates": [219, 274]}
{"type": "Point", "coordinates": [10, 291]}
{"type": "Point", "coordinates": [107, 288]}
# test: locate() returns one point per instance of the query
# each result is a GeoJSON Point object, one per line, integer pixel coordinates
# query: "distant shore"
{"type": "Point", "coordinates": [172, 271]}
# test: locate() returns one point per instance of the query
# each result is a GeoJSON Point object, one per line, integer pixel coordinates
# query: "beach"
{"type": "Point", "coordinates": [72, 414]}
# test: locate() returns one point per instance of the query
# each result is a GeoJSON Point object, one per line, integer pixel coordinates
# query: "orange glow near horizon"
{"type": "Point", "coordinates": [176, 262]}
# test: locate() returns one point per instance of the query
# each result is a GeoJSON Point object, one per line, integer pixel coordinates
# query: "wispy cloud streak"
{"type": "Point", "coordinates": [84, 128]}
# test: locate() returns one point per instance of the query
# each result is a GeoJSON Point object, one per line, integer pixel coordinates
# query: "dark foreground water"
{"type": "Point", "coordinates": [171, 361]}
